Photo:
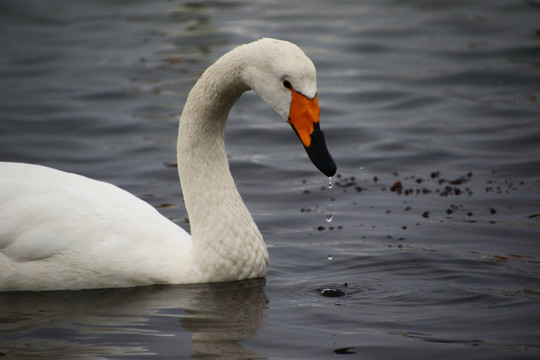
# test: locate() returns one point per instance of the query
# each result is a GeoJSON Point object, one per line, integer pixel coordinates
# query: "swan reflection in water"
{"type": "Point", "coordinates": [133, 321]}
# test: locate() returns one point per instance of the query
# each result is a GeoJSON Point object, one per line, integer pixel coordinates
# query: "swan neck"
{"type": "Point", "coordinates": [219, 219]}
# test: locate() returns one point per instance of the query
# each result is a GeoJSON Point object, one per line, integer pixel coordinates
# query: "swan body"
{"type": "Point", "coordinates": [62, 231]}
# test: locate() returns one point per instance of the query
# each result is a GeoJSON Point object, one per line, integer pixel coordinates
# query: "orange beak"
{"type": "Point", "coordinates": [304, 119]}
{"type": "Point", "coordinates": [303, 116]}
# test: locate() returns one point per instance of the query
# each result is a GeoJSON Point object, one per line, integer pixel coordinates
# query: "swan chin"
{"type": "Point", "coordinates": [62, 231]}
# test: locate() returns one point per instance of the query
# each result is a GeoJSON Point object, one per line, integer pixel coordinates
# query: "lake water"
{"type": "Point", "coordinates": [431, 110]}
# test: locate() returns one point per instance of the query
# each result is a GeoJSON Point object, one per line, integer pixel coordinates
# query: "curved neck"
{"type": "Point", "coordinates": [219, 219]}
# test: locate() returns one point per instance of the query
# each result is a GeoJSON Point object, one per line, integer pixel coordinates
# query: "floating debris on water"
{"type": "Point", "coordinates": [331, 292]}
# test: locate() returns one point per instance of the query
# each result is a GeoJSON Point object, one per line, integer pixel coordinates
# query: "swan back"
{"type": "Point", "coordinates": [65, 231]}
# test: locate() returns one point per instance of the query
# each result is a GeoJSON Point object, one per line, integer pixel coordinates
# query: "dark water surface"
{"type": "Point", "coordinates": [431, 110]}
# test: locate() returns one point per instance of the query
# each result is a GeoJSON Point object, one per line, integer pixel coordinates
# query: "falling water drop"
{"type": "Point", "coordinates": [329, 211]}
{"type": "Point", "coordinates": [329, 208]}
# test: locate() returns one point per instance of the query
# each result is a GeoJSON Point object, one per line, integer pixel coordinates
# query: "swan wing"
{"type": "Point", "coordinates": [57, 224]}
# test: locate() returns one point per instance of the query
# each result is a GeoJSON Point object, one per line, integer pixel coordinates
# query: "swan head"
{"type": "Point", "coordinates": [285, 78]}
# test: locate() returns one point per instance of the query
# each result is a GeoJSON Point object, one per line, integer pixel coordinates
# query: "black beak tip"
{"type": "Point", "coordinates": [319, 154]}
{"type": "Point", "coordinates": [329, 169]}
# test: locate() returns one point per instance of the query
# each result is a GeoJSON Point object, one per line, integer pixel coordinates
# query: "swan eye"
{"type": "Point", "coordinates": [287, 84]}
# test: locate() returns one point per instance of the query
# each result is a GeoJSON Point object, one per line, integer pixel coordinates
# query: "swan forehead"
{"type": "Point", "coordinates": [287, 61]}
{"type": "Point", "coordinates": [296, 67]}
{"type": "Point", "coordinates": [303, 77]}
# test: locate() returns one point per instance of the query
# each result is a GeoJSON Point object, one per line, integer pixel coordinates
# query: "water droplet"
{"type": "Point", "coordinates": [329, 208]}
{"type": "Point", "coordinates": [329, 211]}
{"type": "Point", "coordinates": [330, 257]}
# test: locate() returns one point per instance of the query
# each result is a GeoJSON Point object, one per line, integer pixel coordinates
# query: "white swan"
{"type": "Point", "coordinates": [65, 231]}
